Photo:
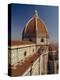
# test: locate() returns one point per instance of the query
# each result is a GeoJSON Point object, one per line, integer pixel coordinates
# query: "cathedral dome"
{"type": "Point", "coordinates": [35, 26]}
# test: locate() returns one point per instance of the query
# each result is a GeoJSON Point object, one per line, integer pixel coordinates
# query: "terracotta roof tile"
{"type": "Point", "coordinates": [31, 27]}
{"type": "Point", "coordinates": [14, 43]}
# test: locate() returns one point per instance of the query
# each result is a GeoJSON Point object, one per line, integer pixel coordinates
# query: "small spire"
{"type": "Point", "coordinates": [36, 13]}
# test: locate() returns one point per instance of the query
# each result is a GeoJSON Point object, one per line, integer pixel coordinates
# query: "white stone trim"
{"type": "Point", "coordinates": [52, 51]}
{"type": "Point", "coordinates": [28, 23]}
{"type": "Point", "coordinates": [44, 24]}
{"type": "Point", "coordinates": [21, 46]}
{"type": "Point", "coordinates": [28, 70]}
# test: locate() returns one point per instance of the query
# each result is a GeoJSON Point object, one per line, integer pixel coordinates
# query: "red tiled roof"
{"type": "Point", "coordinates": [31, 27]}
{"type": "Point", "coordinates": [41, 27]}
{"type": "Point", "coordinates": [16, 43]}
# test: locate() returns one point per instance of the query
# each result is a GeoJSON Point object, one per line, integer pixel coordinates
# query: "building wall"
{"type": "Point", "coordinates": [35, 67]}
{"type": "Point", "coordinates": [45, 62]}
{"type": "Point", "coordinates": [21, 52]}
{"type": "Point", "coordinates": [14, 57]}
{"type": "Point", "coordinates": [17, 54]}
{"type": "Point", "coordinates": [56, 66]}
{"type": "Point", "coordinates": [41, 64]}
{"type": "Point", "coordinates": [43, 58]}
{"type": "Point", "coordinates": [44, 42]}
{"type": "Point", "coordinates": [53, 62]}
{"type": "Point", "coordinates": [33, 50]}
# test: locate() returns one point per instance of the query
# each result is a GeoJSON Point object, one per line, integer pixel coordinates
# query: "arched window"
{"type": "Point", "coordinates": [42, 40]}
{"type": "Point", "coordinates": [33, 49]}
{"type": "Point", "coordinates": [25, 53]}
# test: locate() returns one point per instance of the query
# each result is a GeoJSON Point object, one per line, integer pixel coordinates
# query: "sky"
{"type": "Point", "coordinates": [21, 13]}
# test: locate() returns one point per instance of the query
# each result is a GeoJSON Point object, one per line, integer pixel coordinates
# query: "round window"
{"type": "Point", "coordinates": [42, 40]}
